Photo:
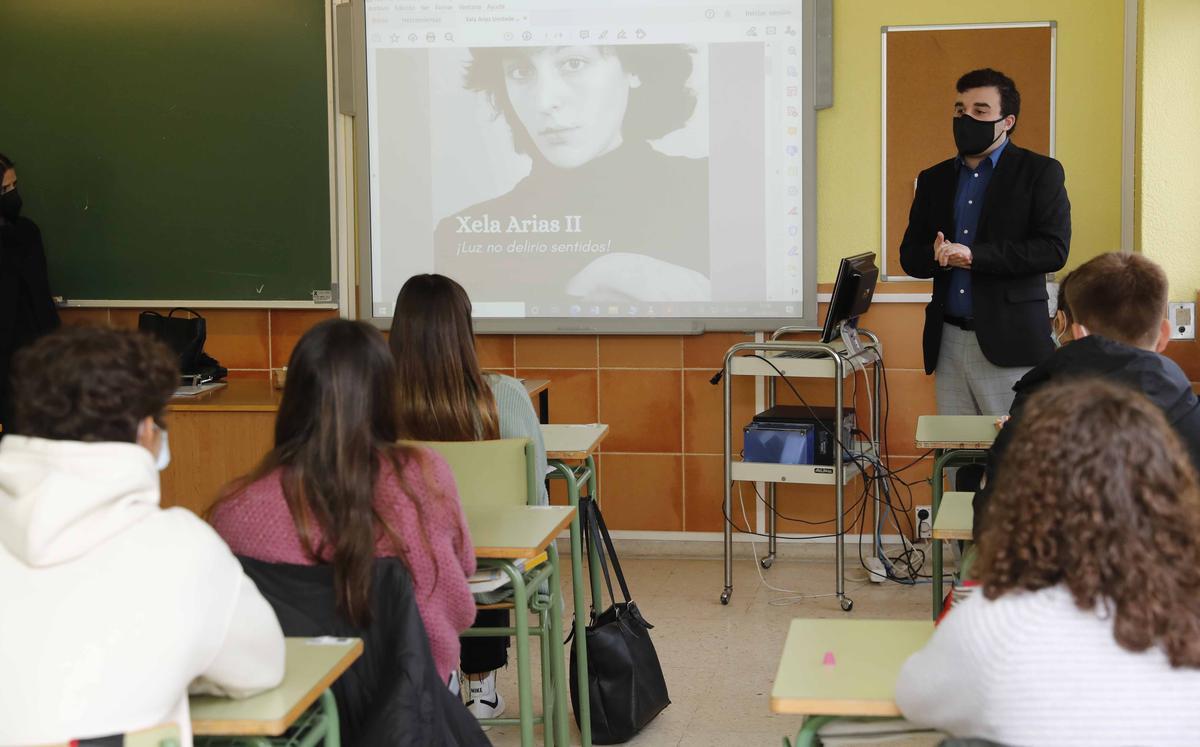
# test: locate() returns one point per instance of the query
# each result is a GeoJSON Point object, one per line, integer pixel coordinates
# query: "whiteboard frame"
{"type": "Point", "coordinates": [337, 249]}
{"type": "Point", "coordinates": [883, 114]}
{"type": "Point", "coordinates": [618, 325]}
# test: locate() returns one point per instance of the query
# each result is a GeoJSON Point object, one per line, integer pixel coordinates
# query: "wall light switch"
{"type": "Point", "coordinates": [1183, 320]}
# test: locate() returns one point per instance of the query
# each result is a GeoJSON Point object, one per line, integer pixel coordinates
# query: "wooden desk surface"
{"type": "Point", "coordinates": [238, 395]}
{"type": "Point", "coordinates": [955, 517]}
{"type": "Point", "coordinates": [512, 532]}
{"type": "Point", "coordinates": [867, 655]}
{"type": "Point", "coordinates": [956, 431]}
{"type": "Point", "coordinates": [311, 669]}
{"type": "Point", "coordinates": [257, 395]}
{"type": "Point", "coordinates": [573, 442]}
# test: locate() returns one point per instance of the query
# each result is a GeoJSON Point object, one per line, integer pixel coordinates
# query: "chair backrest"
{"type": "Point", "coordinates": [493, 473]}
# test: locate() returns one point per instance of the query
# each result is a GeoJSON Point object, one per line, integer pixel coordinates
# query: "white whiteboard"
{"type": "Point", "coordinates": [595, 166]}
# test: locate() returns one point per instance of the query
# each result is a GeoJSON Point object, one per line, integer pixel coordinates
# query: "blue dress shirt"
{"type": "Point", "coordinates": [968, 203]}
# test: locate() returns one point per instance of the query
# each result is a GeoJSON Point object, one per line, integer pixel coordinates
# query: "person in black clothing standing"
{"type": "Point", "coordinates": [987, 226]}
{"type": "Point", "coordinates": [26, 308]}
{"type": "Point", "coordinates": [1118, 330]}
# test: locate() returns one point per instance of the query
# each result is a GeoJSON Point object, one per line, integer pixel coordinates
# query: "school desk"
{"type": "Point", "coordinates": [570, 453]}
{"type": "Point", "coordinates": [959, 440]}
{"type": "Point", "coordinates": [313, 664]}
{"type": "Point", "coordinates": [501, 535]}
{"type": "Point", "coordinates": [221, 434]}
{"type": "Point", "coordinates": [843, 668]}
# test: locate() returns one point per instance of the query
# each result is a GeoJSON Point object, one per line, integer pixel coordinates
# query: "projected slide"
{"type": "Point", "coordinates": [597, 159]}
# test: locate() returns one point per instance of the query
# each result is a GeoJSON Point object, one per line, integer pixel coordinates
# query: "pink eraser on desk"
{"type": "Point", "coordinates": [828, 660]}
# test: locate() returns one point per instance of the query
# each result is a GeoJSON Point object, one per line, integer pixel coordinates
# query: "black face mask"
{"type": "Point", "coordinates": [10, 205]}
{"type": "Point", "coordinates": [973, 136]}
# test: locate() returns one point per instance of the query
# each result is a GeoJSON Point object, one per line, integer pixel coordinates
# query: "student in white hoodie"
{"type": "Point", "coordinates": [111, 606]}
{"type": "Point", "coordinates": [1087, 628]}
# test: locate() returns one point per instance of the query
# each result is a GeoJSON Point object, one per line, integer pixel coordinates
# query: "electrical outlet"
{"type": "Point", "coordinates": [1183, 320]}
{"type": "Point", "coordinates": [924, 522]}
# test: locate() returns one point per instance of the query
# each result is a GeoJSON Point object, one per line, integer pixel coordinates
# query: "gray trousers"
{"type": "Point", "coordinates": [966, 382]}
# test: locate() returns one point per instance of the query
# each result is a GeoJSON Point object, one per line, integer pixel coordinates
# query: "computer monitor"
{"type": "Point", "coordinates": [852, 293]}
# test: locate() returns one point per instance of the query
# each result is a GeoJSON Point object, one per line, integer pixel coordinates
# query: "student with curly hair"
{"type": "Point", "coordinates": [1087, 630]}
{"type": "Point", "coordinates": [619, 219]}
{"type": "Point", "coordinates": [112, 606]}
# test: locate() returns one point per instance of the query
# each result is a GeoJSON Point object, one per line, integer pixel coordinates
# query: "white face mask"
{"type": "Point", "coordinates": [163, 458]}
{"type": "Point", "coordinates": [164, 451]}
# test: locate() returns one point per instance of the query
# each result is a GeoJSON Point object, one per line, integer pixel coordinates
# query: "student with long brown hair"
{"type": "Point", "coordinates": [444, 396]}
{"type": "Point", "coordinates": [338, 489]}
{"type": "Point", "coordinates": [1088, 627]}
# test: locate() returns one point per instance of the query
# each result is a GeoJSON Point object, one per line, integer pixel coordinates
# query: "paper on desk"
{"type": "Point", "coordinates": [328, 640]}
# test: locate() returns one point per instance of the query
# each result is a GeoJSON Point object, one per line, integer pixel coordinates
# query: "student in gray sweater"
{"type": "Point", "coordinates": [443, 396]}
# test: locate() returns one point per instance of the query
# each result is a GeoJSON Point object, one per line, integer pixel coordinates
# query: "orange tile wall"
{"type": "Point", "coordinates": [661, 466]}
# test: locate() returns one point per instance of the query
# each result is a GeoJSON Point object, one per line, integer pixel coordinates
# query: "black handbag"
{"type": "Point", "coordinates": [626, 689]}
{"type": "Point", "coordinates": [185, 336]}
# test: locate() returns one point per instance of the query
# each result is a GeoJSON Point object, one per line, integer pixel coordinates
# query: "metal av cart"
{"type": "Point", "coordinates": [802, 360]}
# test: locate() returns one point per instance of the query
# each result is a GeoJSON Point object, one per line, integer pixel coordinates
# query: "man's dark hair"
{"type": "Point", "coordinates": [662, 104]}
{"type": "Point", "coordinates": [5, 163]}
{"type": "Point", "coordinates": [1121, 296]}
{"type": "Point", "coordinates": [1010, 97]}
{"type": "Point", "coordinates": [91, 384]}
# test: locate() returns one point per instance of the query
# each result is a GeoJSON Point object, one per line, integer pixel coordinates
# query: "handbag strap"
{"type": "Point", "coordinates": [612, 553]}
{"type": "Point", "coordinates": [597, 535]}
{"type": "Point", "coordinates": [591, 538]}
{"type": "Point", "coordinates": [193, 312]}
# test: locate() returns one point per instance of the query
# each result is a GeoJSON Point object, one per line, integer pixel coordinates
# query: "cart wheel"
{"type": "Point", "coordinates": [725, 596]}
{"type": "Point", "coordinates": [847, 604]}
{"type": "Point", "coordinates": [767, 562]}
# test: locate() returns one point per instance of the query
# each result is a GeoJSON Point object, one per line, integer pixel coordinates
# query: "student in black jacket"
{"type": "Point", "coordinates": [26, 308]}
{"type": "Point", "coordinates": [987, 226]}
{"type": "Point", "coordinates": [1118, 306]}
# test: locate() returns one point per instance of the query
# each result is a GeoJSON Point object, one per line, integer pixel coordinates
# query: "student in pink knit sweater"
{"type": "Point", "coordinates": [338, 489]}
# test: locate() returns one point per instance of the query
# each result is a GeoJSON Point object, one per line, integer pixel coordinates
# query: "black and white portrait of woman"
{"type": "Point", "coordinates": [572, 172]}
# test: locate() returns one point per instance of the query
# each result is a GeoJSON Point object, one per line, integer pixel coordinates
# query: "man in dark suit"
{"type": "Point", "coordinates": [986, 225]}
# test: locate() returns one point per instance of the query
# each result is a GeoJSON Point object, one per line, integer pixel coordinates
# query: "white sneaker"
{"type": "Point", "coordinates": [482, 699]}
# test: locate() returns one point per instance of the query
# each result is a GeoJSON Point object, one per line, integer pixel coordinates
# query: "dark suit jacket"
{"type": "Point", "coordinates": [1024, 232]}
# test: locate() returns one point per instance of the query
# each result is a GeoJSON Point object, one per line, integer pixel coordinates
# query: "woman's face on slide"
{"type": "Point", "coordinates": [571, 101]}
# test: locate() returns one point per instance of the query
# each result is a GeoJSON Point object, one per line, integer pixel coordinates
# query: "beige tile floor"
{"type": "Point", "coordinates": [720, 661]}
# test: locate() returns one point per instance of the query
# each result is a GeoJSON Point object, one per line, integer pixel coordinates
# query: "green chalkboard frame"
{"type": "Point", "coordinates": [175, 151]}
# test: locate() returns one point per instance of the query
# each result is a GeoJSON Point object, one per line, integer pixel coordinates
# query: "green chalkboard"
{"type": "Point", "coordinates": [172, 149]}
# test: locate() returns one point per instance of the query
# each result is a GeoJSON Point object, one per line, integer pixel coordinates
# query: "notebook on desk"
{"type": "Point", "coordinates": [191, 390]}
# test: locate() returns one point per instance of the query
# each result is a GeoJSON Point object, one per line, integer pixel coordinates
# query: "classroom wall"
{"type": "Point", "coordinates": [1088, 108]}
{"type": "Point", "coordinates": [661, 469]}
{"type": "Point", "coordinates": [1168, 186]}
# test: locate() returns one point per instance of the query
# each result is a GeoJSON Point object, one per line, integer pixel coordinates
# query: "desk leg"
{"type": "Point", "coordinates": [939, 476]}
{"type": "Point", "coordinates": [544, 406]}
{"type": "Point", "coordinates": [807, 736]}
{"type": "Point", "coordinates": [593, 483]}
{"type": "Point", "coordinates": [524, 680]}
{"type": "Point", "coordinates": [579, 593]}
{"type": "Point", "coordinates": [562, 734]}
{"type": "Point", "coordinates": [333, 729]}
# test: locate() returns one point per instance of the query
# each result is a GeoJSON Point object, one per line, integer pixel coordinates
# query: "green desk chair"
{"type": "Point", "coordinates": [502, 473]}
